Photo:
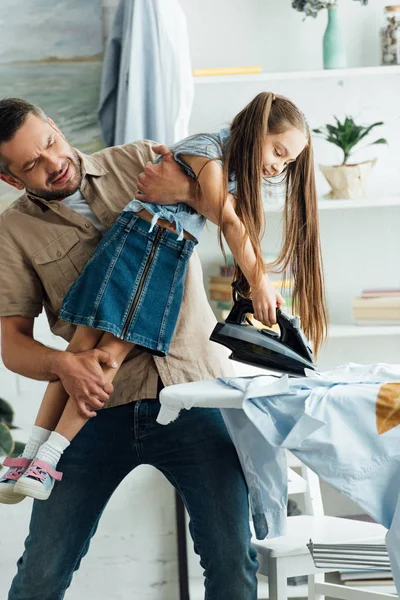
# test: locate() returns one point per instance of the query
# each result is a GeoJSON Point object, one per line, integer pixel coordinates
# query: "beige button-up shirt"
{"type": "Point", "coordinates": [44, 246]}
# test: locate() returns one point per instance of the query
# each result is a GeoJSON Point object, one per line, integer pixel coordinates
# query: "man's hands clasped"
{"type": "Point", "coordinates": [83, 378]}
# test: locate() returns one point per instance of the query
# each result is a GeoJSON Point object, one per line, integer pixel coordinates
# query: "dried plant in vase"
{"type": "Point", "coordinates": [347, 180]}
{"type": "Point", "coordinates": [311, 8]}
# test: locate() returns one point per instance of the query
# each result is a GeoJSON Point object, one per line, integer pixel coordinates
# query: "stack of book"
{"type": "Point", "coordinates": [372, 578]}
{"type": "Point", "coordinates": [377, 307]}
{"type": "Point", "coordinates": [366, 557]}
{"type": "Point", "coordinates": [364, 566]}
{"type": "Point", "coordinates": [220, 291]}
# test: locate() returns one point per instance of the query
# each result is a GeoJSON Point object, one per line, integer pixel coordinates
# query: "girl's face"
{"type": "Point", "coordinates": [280, 149]}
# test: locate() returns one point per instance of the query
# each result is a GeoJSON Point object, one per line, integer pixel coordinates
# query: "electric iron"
{"type": "Point", "coordinates": [286, 352]}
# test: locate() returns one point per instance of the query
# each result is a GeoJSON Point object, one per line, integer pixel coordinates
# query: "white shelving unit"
{"type": "Point", "coordinates": [337, 331]}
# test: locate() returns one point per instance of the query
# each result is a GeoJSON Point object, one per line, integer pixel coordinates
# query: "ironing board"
{"type": "Point", "coordinates": [210, 393]}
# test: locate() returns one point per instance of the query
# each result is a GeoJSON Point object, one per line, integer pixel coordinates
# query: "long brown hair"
{"type": "Point", "coordinates": [301, 250]}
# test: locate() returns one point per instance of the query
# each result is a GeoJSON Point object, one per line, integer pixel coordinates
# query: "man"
{"type": "Point", "coordinates": [46, 237]}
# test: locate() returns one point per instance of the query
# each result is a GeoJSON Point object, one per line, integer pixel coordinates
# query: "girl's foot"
{"type": "Point", "coordinates": [38, 480]}
{"type": "Point", "coordinates": [8, 481]}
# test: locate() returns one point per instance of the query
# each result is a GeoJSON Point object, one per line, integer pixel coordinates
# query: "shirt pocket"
{"type": "Point", "coordinates": [59, 264]}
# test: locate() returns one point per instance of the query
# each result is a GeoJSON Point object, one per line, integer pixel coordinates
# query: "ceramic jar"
{"type": "Point", "coordinates": [390, 36]}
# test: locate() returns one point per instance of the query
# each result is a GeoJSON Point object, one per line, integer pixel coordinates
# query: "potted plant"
{"type": "Point", "coordinates": [8, 447]}
{"type": "Point", "coordinates": [347, 180]}
{"type": "Point", "coordinates": [334, 52]}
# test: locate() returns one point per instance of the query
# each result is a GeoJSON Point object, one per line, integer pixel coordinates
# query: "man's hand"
{"type": "Point", "coordinates": [165, 182]}
{"type": "Point", "coordinates": [83, 379]}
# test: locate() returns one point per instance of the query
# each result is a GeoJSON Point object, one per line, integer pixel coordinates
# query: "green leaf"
{"type": "Point", "coordinates": [368, 129]}
{"type": "Point", "coordinates": [380, 141]}
{"type": "Point", "coordinates": [6, 441]}
{"type": "Point", "coordinates": [6, 412]}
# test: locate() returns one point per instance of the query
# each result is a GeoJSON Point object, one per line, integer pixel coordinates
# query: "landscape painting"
{"type": "Point", "coordinates": [51, 55]}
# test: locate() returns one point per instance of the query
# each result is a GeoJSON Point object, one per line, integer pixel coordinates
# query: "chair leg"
{"type": "Point", "coordinates": [312, 580]}
{"type": "Point", "coordinates": [277, 580]}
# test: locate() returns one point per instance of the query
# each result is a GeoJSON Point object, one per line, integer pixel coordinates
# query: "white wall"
{"type": "Point", "coordinates": [272, 34]}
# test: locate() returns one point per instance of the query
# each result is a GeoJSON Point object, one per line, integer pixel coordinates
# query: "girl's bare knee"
{"type": "Point", "coordinates": [84, 338]}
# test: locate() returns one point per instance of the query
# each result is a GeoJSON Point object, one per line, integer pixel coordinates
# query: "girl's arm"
{"type": "Point", "coordinates": [165, 182]}
{"type": "Point", "coordinates": [210, 177]}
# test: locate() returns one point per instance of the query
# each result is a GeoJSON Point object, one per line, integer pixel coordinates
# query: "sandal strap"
{"type": "Point", "coordinates": [17, 462]}
{"type": "Point", "coordinates": [44, 466]}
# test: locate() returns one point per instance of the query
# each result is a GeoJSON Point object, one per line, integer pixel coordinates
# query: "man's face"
{"type": "Point", "coordinates": [42, 161]}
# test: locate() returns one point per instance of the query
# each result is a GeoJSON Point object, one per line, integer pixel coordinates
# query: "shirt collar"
{"type": "Point", "coordinates": [90, 166]}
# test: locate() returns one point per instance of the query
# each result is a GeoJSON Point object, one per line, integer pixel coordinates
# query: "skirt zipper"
{"type": "Point", "coordinates": [141, 282]}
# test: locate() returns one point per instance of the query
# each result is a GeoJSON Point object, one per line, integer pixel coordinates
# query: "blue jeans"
{"type": "Point", "coordinates": [196, 455]}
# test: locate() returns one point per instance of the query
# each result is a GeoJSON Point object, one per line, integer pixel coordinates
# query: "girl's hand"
{"type": "Point", "coordinates": [265, 301]}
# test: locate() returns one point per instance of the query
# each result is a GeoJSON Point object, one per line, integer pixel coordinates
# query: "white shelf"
{"type": "Point", "coordinates": [326, 204]}
{"type": "Point", "coordinates": [322, 73]}
{"type": "Point", "coordinates": [377, 202]}
{"type": "Point", "coordinates": [347, 331]}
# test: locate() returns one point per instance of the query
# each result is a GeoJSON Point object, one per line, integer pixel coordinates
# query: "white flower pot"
{"type": "Point", "coordinates": [347, 181]}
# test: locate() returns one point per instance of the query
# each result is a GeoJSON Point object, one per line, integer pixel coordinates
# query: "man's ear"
{"type": "Point", "coordinates": [54, 126]}
{"type": "Point", "coordinates": [12, 181]}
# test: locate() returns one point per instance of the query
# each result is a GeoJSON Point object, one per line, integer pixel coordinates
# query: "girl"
{"type": "Point", "coordinates": [131, 289]}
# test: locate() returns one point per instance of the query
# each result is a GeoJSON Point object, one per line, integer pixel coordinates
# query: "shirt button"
{"type": "Point", "coordinates": [58, 253]}
{"type": "Point", "coordinates": [87, 225]}
{"type": "Point", "coordinates": [55, 206]}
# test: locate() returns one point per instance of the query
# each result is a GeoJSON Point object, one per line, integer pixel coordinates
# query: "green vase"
{"type": "Point", "coordinates": [334, 50]}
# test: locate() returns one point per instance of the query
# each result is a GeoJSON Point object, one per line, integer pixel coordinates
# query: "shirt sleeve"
{"type": "Point", "coordinates": [206, 145]}
{"type": "Point", "coordinates": [21, 291]}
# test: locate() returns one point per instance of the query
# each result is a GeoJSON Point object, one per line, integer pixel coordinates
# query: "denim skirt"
{"type": "Point", "coordinates": [133, 284]}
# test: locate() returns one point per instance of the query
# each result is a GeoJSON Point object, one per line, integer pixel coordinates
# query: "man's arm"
{"type": "Point", "coordinates": [165, 182]}
{"type": "Point", "coordinates": [81, 373]}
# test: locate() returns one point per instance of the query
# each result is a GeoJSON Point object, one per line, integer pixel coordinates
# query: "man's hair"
{"type": "Point", "coordinates": [13, 114]}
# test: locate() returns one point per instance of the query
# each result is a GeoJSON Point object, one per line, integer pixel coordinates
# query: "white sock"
{"type": "Point", "coordinates": [39, 436]}
{"type": "Point", "coordinates": [52, 450]}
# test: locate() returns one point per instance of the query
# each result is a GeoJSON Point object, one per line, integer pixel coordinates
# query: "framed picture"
{"type": "Point", "coordinates": [51, 54]}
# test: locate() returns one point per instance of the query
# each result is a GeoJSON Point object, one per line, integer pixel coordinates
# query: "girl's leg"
{"type": "Point", "coordinates": [38, 480]}
{"type": "Point", "coordinates": [50, 411]}
{"type": "Point", "coordinates": [71, 422]}
{"type": "Point", "coordinates": [55, 397]}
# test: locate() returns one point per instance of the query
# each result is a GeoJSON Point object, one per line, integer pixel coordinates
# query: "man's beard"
{"type": "Point", "coordinates": [64, 193]}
